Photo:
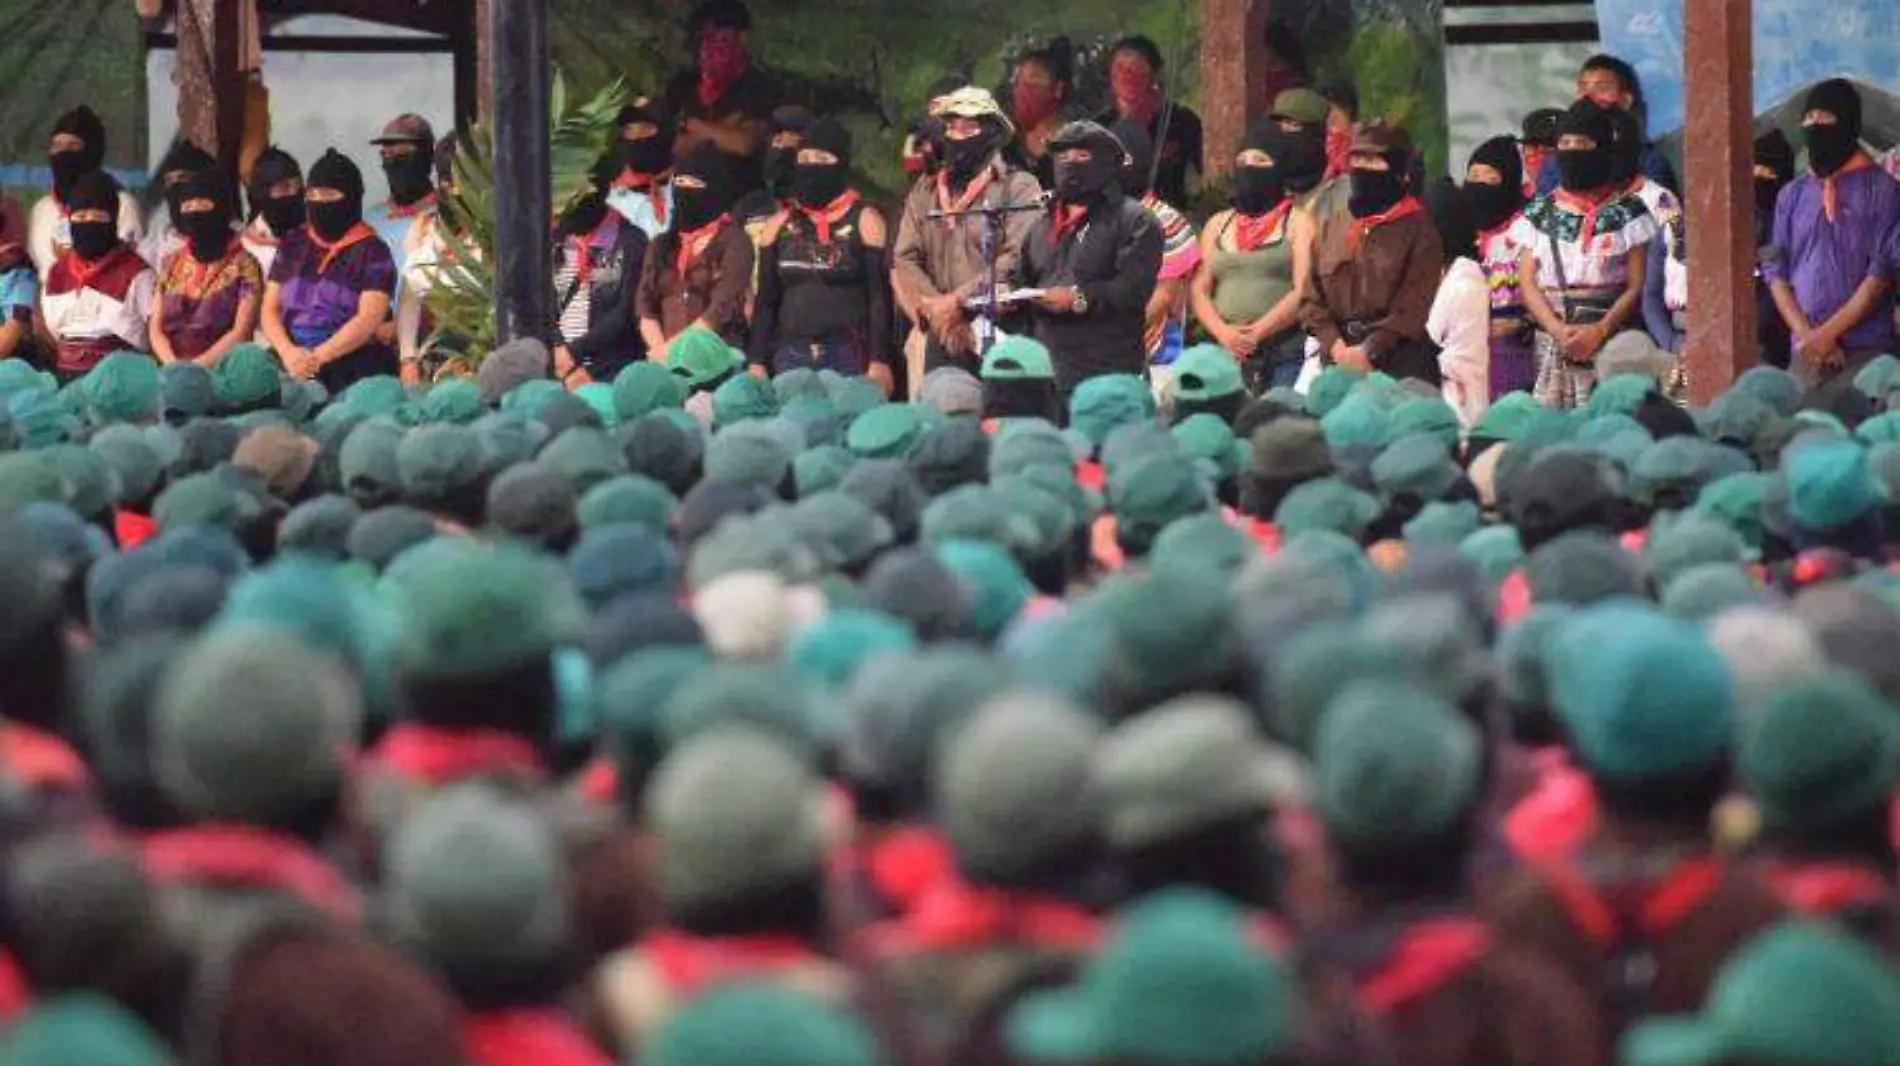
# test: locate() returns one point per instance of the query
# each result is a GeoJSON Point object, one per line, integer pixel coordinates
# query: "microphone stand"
{"type": "Point", "coordinates": [989, 244]}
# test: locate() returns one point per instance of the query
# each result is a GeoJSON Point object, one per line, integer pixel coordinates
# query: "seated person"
{"type": "Point", "coordinates": [210, 289]}
{"type": "Point", "coordinates": [19, 286]}
{"type": "Point", "coordinates": [331, 286]}
{"type": "Point", "coordinates": [98, 296]}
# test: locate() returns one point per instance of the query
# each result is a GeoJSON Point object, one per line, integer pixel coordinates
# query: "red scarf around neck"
{"type": "Point", "coordinates": [829, 215]}
{"type": "Point", "coordinates": [357, 235]}
{"type": "Point", "coordinates": [243, 856]}
{"type": "Point", "coordinates": [1252, 231]}
{"type": "Point", "coordinates": [397, 210]}
{"type": "Point", "coordinates": [964, 200]}
{"type": "Point", "coordinates": [1066, 219]}
{"type": "Point", "coordinates": [436, 756]}
{"type": "Point", "coordinates": [1830, 200]}
{"type": "Point", "coordinates": [85, 273]}
{"type": "Point", "coordinates": [1589, 203]}
{"type": "Point", "coordinates": [694, 243]}
{"type": "Point", "coordinates": [1362, 226]}
{"type": "Point", "coordinates": [651, 184]}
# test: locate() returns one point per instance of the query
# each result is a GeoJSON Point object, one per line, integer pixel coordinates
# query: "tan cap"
{"type": "Point", "coordinates": [971, 102]}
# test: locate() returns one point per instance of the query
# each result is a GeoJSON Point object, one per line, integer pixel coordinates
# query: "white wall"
{"type": "Point", "coordinates": [1490, 88]}
{"type": "Point", "coordinates": [324, 100]}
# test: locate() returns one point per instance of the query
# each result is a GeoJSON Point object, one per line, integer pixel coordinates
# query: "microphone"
{"type": "Point", "coordinates": [1041, 201]}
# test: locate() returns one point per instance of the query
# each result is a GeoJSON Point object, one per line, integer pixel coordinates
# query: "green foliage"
{"type": "Point", "coordinates": [463, 298]}
{"type": "Point", "coordinates": [1396, 82]}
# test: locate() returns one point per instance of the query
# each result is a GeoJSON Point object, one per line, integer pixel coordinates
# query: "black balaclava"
{"type": "Point", "coordinates": [1375, 191]}
{"type": "Point", "coordinates": [331, 221]}
{"type": "Point", "coordinates": [1081, 183]}
{"type": "Point", "coordinates": [817, 185]}
{"type": "Point", "coordinates": [1626, 150]}
{"type": "Point", "coordinates": [83, 123]}
{"type": "Point", "coordinates": [411, 175]}
{"type": "Point", "coordinates": [1302, 158]}
{"type": "Point", "coordinates": [966, 158]}
{"type": "Point", "coordinates": [1450, 208]}
{"type": "Point", "coordinates": [646, 155]}
{"type": "Point", "coordinates": [589, 211]}
{"type": "Point", "coordinates": [778, 164]}
{"type": "Point", "coordinates": [95, 190]}
{"type": "Point", "coordinates": [696, 208]}
{"type": "Point", "coordinates": [208, 232]}
{"type": "Point", "coordinates": [1773, 151]}
{"type": "Point", "coordinates": [1584, 169]}
{"type": "Point", "coordinates": [282, 213]}
{"type": "Point", "coordinates": [1494, 205]}
{"type": "Point", "coordinates": [185, 162]}
{"type": "Point", "coordinates": [1830, 147]}
{"type": "Point", "coordinates": [1141, 156]}
{"type": "Point", "coordinates": [1258, 190]}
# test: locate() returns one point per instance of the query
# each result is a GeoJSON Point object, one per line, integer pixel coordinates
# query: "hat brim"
{"type": "Point", "coordinates": [1055, 1026]}
{"type": "Point", "coordinates": [1678, 1041]}
{"type": "Point", "coordinates": [388, 139]}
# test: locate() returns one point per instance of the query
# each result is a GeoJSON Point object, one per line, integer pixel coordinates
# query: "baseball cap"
{"type": "Point", "coordinates": [406, 129]}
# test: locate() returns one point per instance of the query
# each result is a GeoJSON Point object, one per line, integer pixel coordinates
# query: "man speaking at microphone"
{"type": "Point", "coordinates": [1094, 257]}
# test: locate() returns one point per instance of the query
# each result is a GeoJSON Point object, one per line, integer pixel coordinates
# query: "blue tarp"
{"type": "Point", "coordinates": [1797, 42]}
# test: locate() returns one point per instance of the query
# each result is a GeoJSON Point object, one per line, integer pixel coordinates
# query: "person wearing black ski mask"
{"type": "Point", "coordinates": [597, 258]}
{"type": "Point", "coordinates": [760, 206]}
{"type": "Point", "coordinates": [184, 162]}
{"type": "Point", "coordinates": [1095, 255]}
{"type": "Point", "coordinates": [78, 147]}
{"type": "Point", "coordinates": [1494, 193]}
{"type": "Point", "coordinates": [275, 198]}
{"type": "Point", "coordinates": [824, 274]}
{"type": "Point", "coordinates": [1835, 242]}
{"type": "Point", "coordinates": [642, 154]}
{"type": "Point", "coordinates": [1376, 266]}
{"type": "Point", "coordinates": [98, 296]}
{"type": "Point", "coordinates": [332, 285]}
{"type": "Point", "coordinates": [699, 271]}
{"type": "Point", "coordinates": [1246, 291]}
{"type": "Point", "coordinates": [1774, 169]}
{"type": "Point", "coordinates": [938, 262]}
{"type": "Point", "coordinates": [210, 289]}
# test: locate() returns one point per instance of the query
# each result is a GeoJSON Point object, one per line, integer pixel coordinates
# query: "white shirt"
{"type": "Point", "coordinates": [88, 314]}
{"type": "Point", "coordinates": [1460, 324]}
{"type": "Point", "coordinates": [48, 234]}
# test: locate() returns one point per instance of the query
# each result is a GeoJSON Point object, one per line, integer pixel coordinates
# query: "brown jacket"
{"type": "Point", "coordinates": [937, 256]}
{"type": "Point", "coordinates": [714, 287]}
{"type": "Point", "coordinates": [1383, 281]}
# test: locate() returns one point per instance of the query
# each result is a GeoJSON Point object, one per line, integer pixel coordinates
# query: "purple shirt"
{"type": "Point", "coordinates": [1825, 261]}
{"type": "Point", "coordinates": [317, 302]}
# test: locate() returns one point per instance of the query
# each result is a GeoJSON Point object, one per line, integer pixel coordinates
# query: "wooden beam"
{"type": "Point", "coordinates": [520, 69]}
{"type": "Point", "coordinates": [1233, 76]}
{"type": "Point", "coordinates": [1718, 186]}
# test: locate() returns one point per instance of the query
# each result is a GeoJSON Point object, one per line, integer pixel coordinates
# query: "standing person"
{"type": "Point", "coordinates": [1164, 327]}
{"type": "Point", "coordinates": [725, 100]}
{"type": "Point", "coordinates": [408, 223]}
{"type": "Point", "coordinates": [598, 258]}
{"type": "Point", "coordinates": [1612, 85]}
{"type": "Point", "coordinates": [330, 289]}
{"type": "Point", "coordinates": [1134, 79]}
{"type": "Point", "coordinates": [1538, 144]}
{"type": "Point", "coordinates": [1342, 115]}
{"type": "Point", "coordinates": [1301, 115]}
{"type": "Point", "coordinates": [98, 296]}
{"type": "Point", "coordinates": [1494, 192]}
{"type": "Point", "coordinates": [1041, 87]}
{"type": "Point", "coordinates": [1095, 255]}
{"type": "Point", "coordinates": [275, 198]}
{"type": "Point", "coordinates": [1584, 252]}
{"type": "Point", "coordinates": [1256, 259]}
{"type": "Point", "coordinates": [756, 209]}
{"type": "Point", "coordinates": [1460, 319]}
{"type": "Point", "coordinates": [19, 285]}
{"type": "Point", "coordinates": [78, 147]}
{"type": "Point", "coordinates": [210, 290]}
{"type": "Point", "coordinates": [1774, 169]}
{"type": "Point", "coordinates": [642, 187]}
{"type": "Point", "coordinates": [941, 262]}
{"type": "Point", "coordinates": [184, 162]}
{"type": "Point", "coordinates": [1376, 267]}
{"type": "Point", "coordinates": [699, 271]}
{"type": "Point", "coordinates": [1836, 245]}
{"type": "Point", "coordinates": [824, 277]}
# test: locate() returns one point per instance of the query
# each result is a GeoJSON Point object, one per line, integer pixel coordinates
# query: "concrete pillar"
{"type": "Point", "coordinates": [1718, 191]}
{"type": "Point", "coordinates": [1233, 76]}
{"type": "Point", "coordinates": [518, 65]}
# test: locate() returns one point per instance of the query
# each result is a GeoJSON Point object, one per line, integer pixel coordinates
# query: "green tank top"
{"type": "Point", "coordinates": [1248, 284]}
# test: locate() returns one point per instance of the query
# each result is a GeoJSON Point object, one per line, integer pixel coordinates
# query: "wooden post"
{"type": "Point", "coordinates": [1718, 186]}
{"type": "Point", "coordinates": [211, 89]}
{"type": "Point", "coordinates": [1233, 76]}
{"type": "Point", "coordinates": [484, 62]}
{"type": "Point", "coordinates": [518, 59]}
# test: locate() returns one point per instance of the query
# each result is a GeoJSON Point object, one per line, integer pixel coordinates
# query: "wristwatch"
{"type": "Point", "coordinates": [1081, 304]}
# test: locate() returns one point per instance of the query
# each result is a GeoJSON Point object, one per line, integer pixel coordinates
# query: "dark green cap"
{"type": "Point", "coordinates": [1330, 389]}
{"type": "Point", "coordinates": [748, 454]}
{"type": "Point", "coordinates": [92, 486]}
{"type": "Point", "coordinates": [123, 388]}
{"type": "Point", "coordinates": [628, 498]}
{"type": "Point", "coordinates": [1443, 525]}
{"type": "Point", "coordinates": [458, 400]}
{"type": "Point", "coordinates": [1642, 695]}
{"type": "Point", "coordinates": [1027, 442]}
{"type": "Point", "coordinates": [743, 398]}
{"type": "Point", "coordinates": [187, 391]}
{"type": "Point", "coordinates": [840, 530]}
{"type": "Point", "coordinates": [831, 650]}
{"type": "Point", "coordinates": [585, 456]}
{"type": "Point", "coordinates": [1673, 547]}
{"type": "Point", "coordinates": [1358, 422]}
{"type": "Point", "coordinates": [1291, 449]}
{"type": "Point", "coordinates": [761, 1025]}
{"type": "Point", "coordinates": [1012, 785]}
{"type": "Point", "coordinates": [1203, 540]}
{"type": "Point", "coordinates": [534, 502]}
{"type": "Point", "coordinates": [1103, 404]}
{"type": "Point", "coordinates": [367, 463]}
{"type": "Point", "coordinates": [379, 537]}
{"type": "Point", "coordinates": [132, 457]}
{"type": "Point", "coordinates": [1393, 767]}
{"type": "Point", "coordinates": [471, 608]}
{"type": "Point", "coordinates": [1823, 752]}
{"type": "Point", "coordinates": [1829, 484]}
{"type": "Point", "coordinates": [978, 512]}
{"type": "Point", "coordinates": [247, 377]}
{"type": "Point", "coordinates": [1149, 494]}
{"type": "Point", "coordinates": [1507, 416]}
{"type": "Point", "coordinates": [888, 431]}
{"type": "Point", "coordinates": [1431, 416]}
{"type": "Point", "coordinates": [438, 461]}
{"type": "Point", "coordinates": [1327, 503]}
{"type": "Point", "coordinates": [379, 395]}
{"type": "Point", "coordinates": [1419, 466]}
{"type": "Point", "coordinates": [820, 468]}
{"type": "Point", "coordinates": [995, 582]}
{"type": "Point", "coordinates": [73, 1028]}
{"type": "Point", "coordinates": [646, 386]}
{"type": "Point", "coordinates": [738, 815]}
{"type": "Point", "coordinates": [1205, 436]}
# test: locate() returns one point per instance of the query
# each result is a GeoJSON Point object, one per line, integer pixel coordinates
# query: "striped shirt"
{"type": "Point", "coordinates": [1180, 248]}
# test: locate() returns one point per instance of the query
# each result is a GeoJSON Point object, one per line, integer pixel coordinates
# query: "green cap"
{"type": "Point", "coordinates": [1182, 984]}
{"type": "Point", "coordinates": [701, 358]}
{"type": "Point", "coordinates": [1018, 358]}
{"type": "Point", "coordinates": [18, 375]}
{"type": "Point", "coordinates": [458, 400]}
{"type": "Point", "coordinates": [205, 500]}
{"type": "Point", "coordinates": [816, 417]}
{"type": "Point", "coordinates": [1443, 525]}
{"type": "Point", "coordinates": [379, 395]}
{"type": "Point", "coordinates": [821, 468]}
{"type": "Point", "coordinates": [842, 531]}
{"type": "Point", "coordinates": [599, 398]}
{"type": "Point", "coordinates": [1189, 765]}
{"type": "Point", "coordinates": [39, 420]}
{"type": "Point", "coordinates": [743, 398]}
{"type": "Point", "coordinates": [738, 815]}
{"type": "Point", "coordinates": [367, 462]}
{"type": "Point", "coordinates": [247, 378]}
{"type": "Point", "coordinates": [1291, 449]}
{"type": "Point", "coordinates": [1205, 436]}
{"type": "Point", "coordinates": [1150, 494]}
{"type": "Point", "coordinates": [1736, 500]}
{"type": "Point", "coordinates": [1315, 665]}
{"type": "Point", "coordinates": [1689, 540]}
{"type": "Point", "coordinates": [1428, 415]}
{"type": "Point", "coordinates": [1418, 466]}
{"type": "Point", "coordinates": [92, 487]}
{"type": "Point", "coordinates": [1777, 388]}
{"type": "Point", "coordinates": [1620, 394]}
{"type": "Point", "coordinates": [1330, 389]}
{"type": "Point", "coordinates": [1642, 695]}
{"type": "Point", "coordinates": [472, 608]}
{"type": "Point", "coordinates": [831, 650]}
{"type": "Point", "coordinates": [529, 399]}
{"type": "Point", "coordinates": [1207, 372]}
{"type": "Point", "coordinates": [800, 381]}
{"type": "Point", "coordinates": [1705, 590]}
{"type": "Point", "coordinates": [1495, 551]}
{"type": "Point", "coordinates": [1880, 429]}
{"type": "Point", "coordinates": [533, 502]}
{"type": "Point", "coordinates": [123, 388]}
{"type": "Point", "coordinates": [978, 512]}
{"type": "Point", "coordinates": [187, 391]}
{"type": "Point", "coordinates": [888, 431]}
{"type": "Point", "coordinates": [81, 1029]}
{"type": "Point", "coordinates": [1105, 403]}
{"type": "Point", "coordinates": [1583, 567]}
{"type": "Point", "coordinates": [380, 536]}
{"type": "Point", "coordinates": [1012, 785]}
{"type": "Point", "coordinates": [1327, 503]}
{"type": "Point", "coordinates": [1507, 416]}
{"type": "Point", "coordinates": [1822, 753]}
{"type": "Point", "coordinates": [900, 707]}
{"type": "Point", "coordinates": [1203, 540]}
{"type": "Point", "coordinates": [761, 1025]}
{"type": "Point", "coordinates": [1800, 994]}
{"type": "Point", "coordinates": [995, 582]}
{"type": "Point", "coordinates": [646, 386]}
{"type": "Point", "coordinates": [585, 456]}
{"type": "Point", "coordinates": [758, 694]}
{"type": "Point", "coordinates": [1358, 422]}
{"type": "Point", "coordinates": [1302, 105]}
{"type": "Point", "coordinates": [628, 498]}
{"type": "Point", "coordinates": [438, 461]}
{"type": "Point", "coordinates": [29, 477]}
{"type": "Point", "coordinates": [1050, 515]}
{"type": "Point", "coordinates": [132, 458]}
{"type": "Point", "coordinates": [748, 454]}
{"type": "Point", "coordinates": [1829, 484]}
{"type": "Point", "coordinates": [1393, 767]}
{"type": "Point", "coordinates": [854, 396]}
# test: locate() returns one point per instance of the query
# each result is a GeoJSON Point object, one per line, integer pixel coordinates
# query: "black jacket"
{"type": "Point", "coordinates": [612, 339]}
{"type": "Point", "coordinates": [1114, 259]}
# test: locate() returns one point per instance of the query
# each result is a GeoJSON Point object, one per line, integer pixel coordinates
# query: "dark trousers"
{"type": "Point", "coordinates": [845, 355]}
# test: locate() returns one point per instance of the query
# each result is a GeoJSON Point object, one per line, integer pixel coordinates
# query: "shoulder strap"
{"type": "Point", "coordinates": [1556, 257]}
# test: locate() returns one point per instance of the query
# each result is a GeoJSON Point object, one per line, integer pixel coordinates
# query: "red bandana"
{"type": "Point", "coordinates": [693, 244]}
{"type": "Point", "coordinates": [829, 215]}
{"type": "Point", "coordinates": [1363, 226]}
{"type": "Point", "coordinates": [356, 235]}
{"type": "Point", "coordinates": [1252, 231]}
{"type": "Point", "coordinates": [962, 201]}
